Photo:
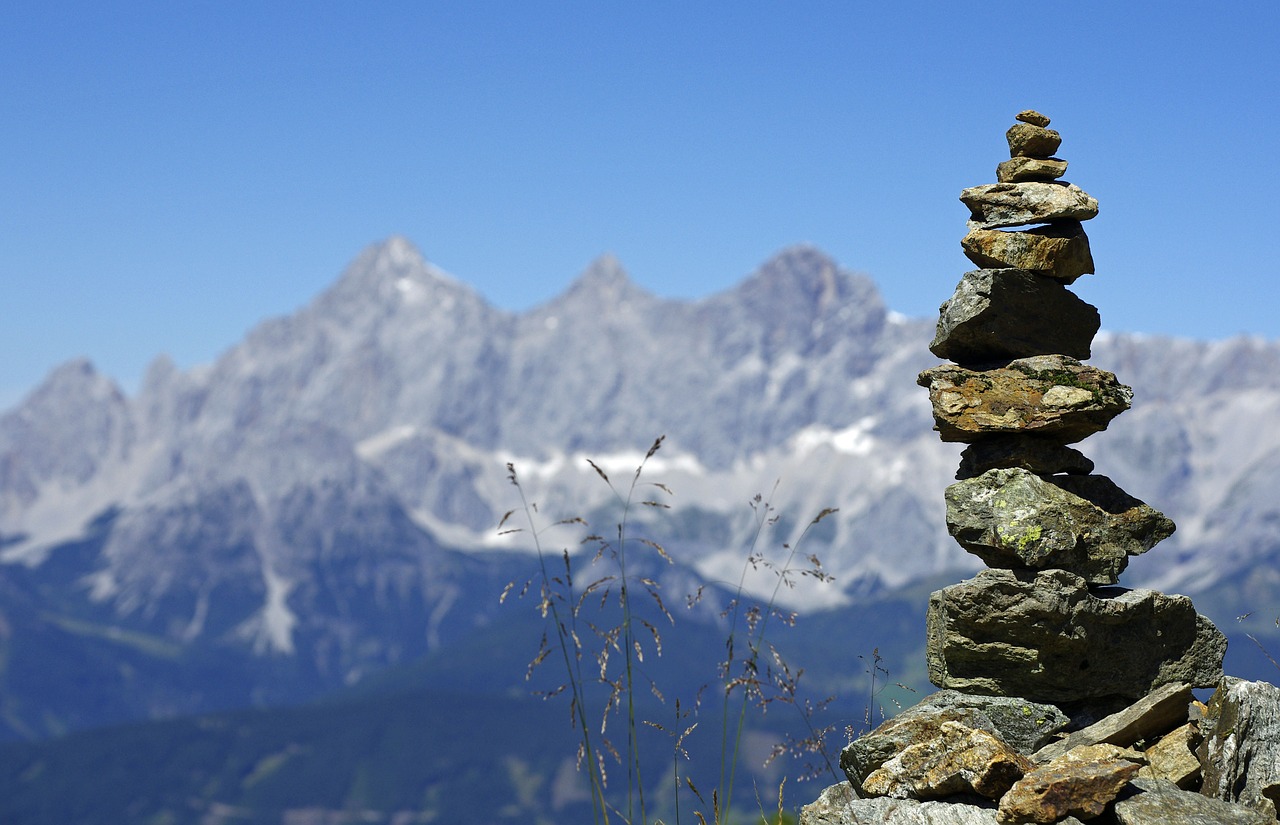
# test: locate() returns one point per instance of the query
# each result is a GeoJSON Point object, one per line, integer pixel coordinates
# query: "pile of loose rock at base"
{"type": "Point", "coordinates": [1064, 696]}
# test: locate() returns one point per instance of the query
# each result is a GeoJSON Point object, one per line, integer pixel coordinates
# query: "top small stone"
{"type": "Point", "coordinates": [1033, 117]}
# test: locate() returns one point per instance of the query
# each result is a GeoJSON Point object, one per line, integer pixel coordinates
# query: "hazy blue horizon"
{"type": "Point", "coordinates": [175, 174]}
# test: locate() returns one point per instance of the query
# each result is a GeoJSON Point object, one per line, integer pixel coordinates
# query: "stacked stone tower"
{"type": "Point", "coordinates": [1045, 621]}
{"type": "Point", "coordinates": [1064, 696]}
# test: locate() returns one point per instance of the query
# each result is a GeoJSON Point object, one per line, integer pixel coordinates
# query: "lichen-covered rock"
{"type": "Point", "coordinates": [1241, 749]}
{"type": "Point", "coordinates": [1085, 524]}
{"type": "Point", "coordinates": [1027, 140]}
{"type": "Point", "coordinates": [1049, 637]}
{"type": "Point", "coordinates": [1060, 251]}
{"type": "Point", "coordinates": [1025, 725]}
{"type": "Point", "coordinates": [1046, 395]}
{"type": "Point", "coordinates": [1041, 456]}
{"type": "Point", "coordinates": [1016, 170]}
{"type": "Point", "coordinates": [1080, 783]}
{"type": "Point", "coordinates": [998, 314]}
{"type": "Point", "coordinates": [1160, 802]}
{"type": "Point", "coordinates": [995, 205]}
{"type": "Point", "coordinates": [1033, 117]}
{"type": "Point", "coordinates": [955, 760]}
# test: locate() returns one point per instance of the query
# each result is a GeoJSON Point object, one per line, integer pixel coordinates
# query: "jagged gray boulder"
{"type": "Point", "coordinates": [1160, 802]}
{"type": "Point", "coordinates": [994, 205]}
{"type": "Point", "coordinates": [1041, 456]}
{"type": "Point", "coordinates": [1046, 395]}
{"type": "Point", "coordinates": [1085, 524]}
{"type": "Point", "coordinates": [838, 805]}
{"type": "Point", "coordinates": [1049, 637]}
{"type": "Point", "coordinates": [1059, 251]}
{"type": "Point", "coordinates": [998, 314]}
{"type": "Point", "coordinates": [1240, 753]}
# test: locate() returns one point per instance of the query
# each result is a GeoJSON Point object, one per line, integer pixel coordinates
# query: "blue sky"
{"type": "Point", "coordinates": [174, 172]}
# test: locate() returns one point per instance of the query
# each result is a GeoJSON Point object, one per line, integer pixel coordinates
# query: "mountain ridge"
{"type": "Point", "coordinates": [315, 492]}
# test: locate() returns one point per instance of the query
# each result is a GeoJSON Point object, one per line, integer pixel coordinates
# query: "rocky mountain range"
{"type": "Point", "coordinates": [322, 500]}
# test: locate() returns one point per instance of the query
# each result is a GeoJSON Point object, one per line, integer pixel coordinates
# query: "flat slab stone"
{"type": "Point", "coordinates": [1046, 395]}
{"type": "Point", "coordinates": [998, 314]}
{"type": "Point", "coordinates": [996, 205]}
{"type": "Point", "coordinates": [1085, 524]}
{"type": "Point", "coordinates": [1058, 251]}
{"type": "Point", "coordinates": [1160, 802]}
{"type": "Point", "coordinates": [1159, 711]}
{"type": "Point", "coordinates": [1042, 456]}
{"type": "Point", "coordinates": [1017, 170]}
{"type": "Point", "coordinates": [1032, 116]}
{"type": "Point", "coordinates": [1047, 636]}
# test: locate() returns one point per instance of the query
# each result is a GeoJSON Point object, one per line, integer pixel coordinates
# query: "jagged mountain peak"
{"type": "Point", "coordinates": [604, 282]}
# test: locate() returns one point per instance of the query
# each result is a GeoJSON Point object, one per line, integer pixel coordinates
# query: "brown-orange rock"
{"type": "Point", "coordinates": [1047, 395]}
{"type": "Point", "coordinates": [1060, 251]}
{"type": "Point", "coordinates": [1015, 170]}
{"type": "Point", "coordinates": [1081, 783]}
{"type": "Point", "coordinates": [1026, 140]}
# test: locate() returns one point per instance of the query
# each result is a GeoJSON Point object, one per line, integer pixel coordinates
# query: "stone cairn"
{"type": "Point", "coordinates": [1064, 696]}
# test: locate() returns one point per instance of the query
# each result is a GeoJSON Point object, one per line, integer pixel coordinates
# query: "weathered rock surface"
{"type": "Point", "coordinates": [1160, 802]}
{"type": "Point", "coordinates": [956, 760]}
{"type": "Point", "coordinates": [1046, 395]}
{"type": "Point", "coordinates": [1025, 726]}
{"type": "Point", "coordinates": [1241, 748]}
{"type": "Point", "coordinates": [1085, 524]}
{"type": "Point", "coordinates": [1173, 757]}
{"type": "Point", "coordinates": [1160, 710]}
{"type": "Point", "coordinates": [1038, 455]}
{"type": "Point", "coordinates": [1047, 637]}
{"type": "Point", "coordinates": [1079, 783]}
{"type": "Point", "coordinates": [994, 205]}
{"type": "Point", "coordinates": [998, 314]}
{"type": "Point", "coordinates": [1033, 117]}
{"type": "Point", "coordinates": [1016, 170]}
{"type": "Point", "coordinates": [837, 805]}
{"type": "Point", "coordinates": [1027, 140]}
{"type": "Point", "coordinates": [1060, 251]}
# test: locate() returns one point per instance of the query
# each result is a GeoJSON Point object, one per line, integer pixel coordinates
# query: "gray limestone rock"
{"type": "Point", "coordinates": [1017, 170]}
{"type": "Point", "coordinates": [837, 805]}
{"type": "Point", "coordinates": [1046, 395]}
{"type": "Point", "coordinates": [998, 314]}
{"type": "Point", "coordinates": [1085, 524]}
{"type": "Point", "coordinates": [1049, 637]}
{"type": "Point", "coordinates": [1041, 456]}
{"type": "Point", "coordinates": [994, 205]}
{"type": "Point", "coordinates": [1240, 754]}
{"type": "Point", "coordinates": [1059, 251]}
{"type": "Point", "coordinates": [1027, 140]}
{"type": "Point", "coordinates": [1160, 802]}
